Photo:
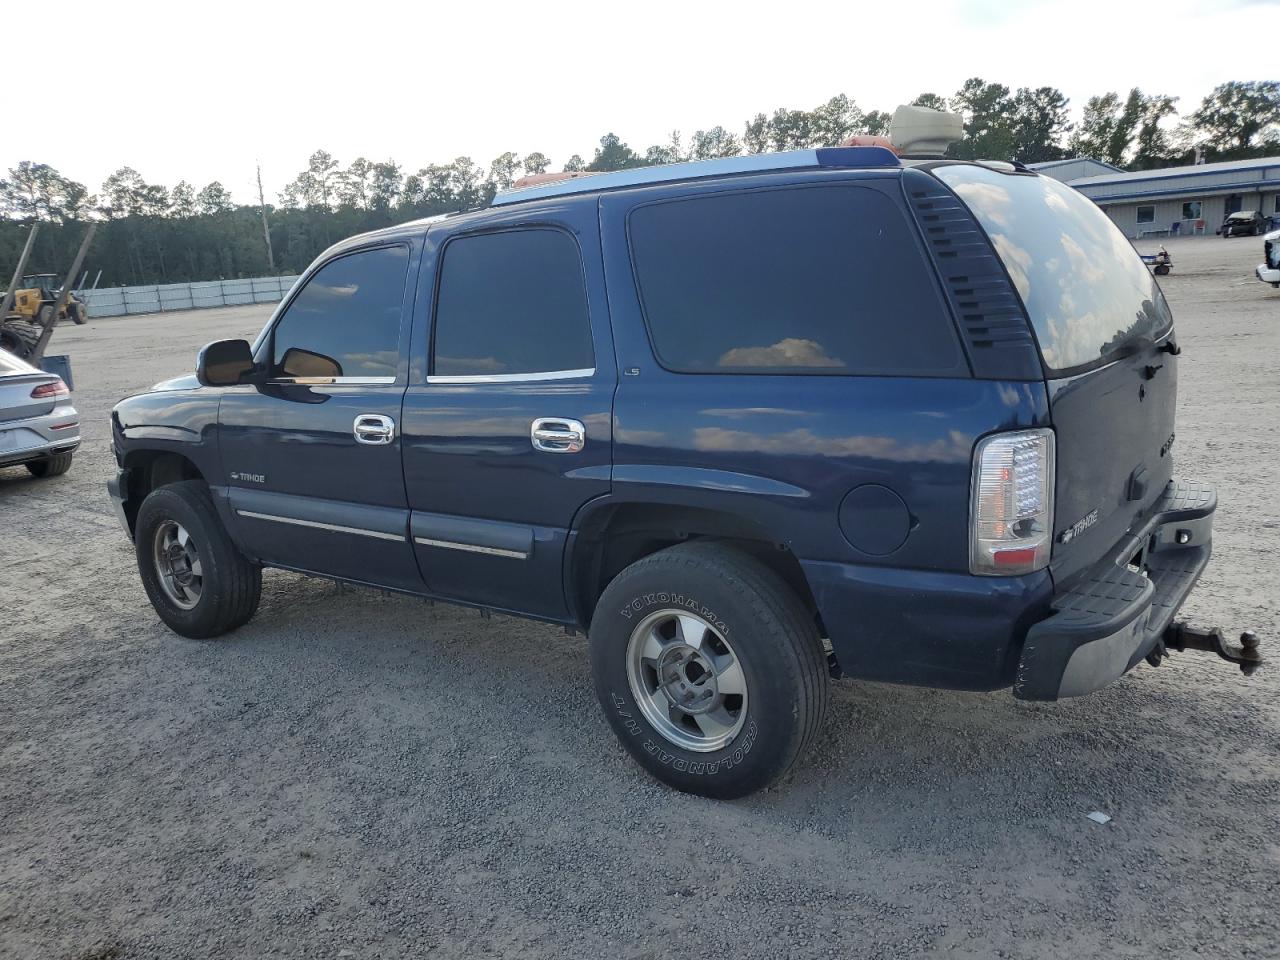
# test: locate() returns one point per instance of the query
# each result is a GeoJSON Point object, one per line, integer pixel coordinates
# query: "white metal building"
{"type": "Point", "coordinates": [1175, 200]}
{"type": "Point", "coordinates": [1074, 169]}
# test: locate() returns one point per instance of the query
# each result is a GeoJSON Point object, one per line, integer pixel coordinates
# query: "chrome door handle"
{"type": "Point", "coordinates": [557, 435]}
{"type": "Point", "coordinates": [374, 428]}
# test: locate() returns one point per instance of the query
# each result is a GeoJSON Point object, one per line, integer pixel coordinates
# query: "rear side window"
{"type": "Point", "coordinates": [1084, 286]}
{"type": "Point", "coordinates": [816, 280]}
{"type": "Point", "coordinates": [346, 320]}
{"type": "Point", "coordinates": [512, 303]}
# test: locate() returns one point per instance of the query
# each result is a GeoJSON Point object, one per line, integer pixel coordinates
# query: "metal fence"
{"type": "Point", "coordinates": [119, 301]}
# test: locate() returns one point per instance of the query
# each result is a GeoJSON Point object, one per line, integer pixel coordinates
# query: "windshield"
{"type": "Point", "coordinates": [1087, 292]}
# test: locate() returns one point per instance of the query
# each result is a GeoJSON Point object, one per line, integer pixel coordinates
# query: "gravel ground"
{"type": "Point", "coordinates": [353, 775]}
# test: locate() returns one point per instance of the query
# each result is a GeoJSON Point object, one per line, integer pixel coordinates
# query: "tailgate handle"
{"type": "Point", "coordinates": [1138, 484]}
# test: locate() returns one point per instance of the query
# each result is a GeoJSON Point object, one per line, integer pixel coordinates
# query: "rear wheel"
{"type": "Point", "coordinates": [54, 466]}
{"type": "Point", "coordinates": [1162, 270]}
{"type": "Point", "coordinates": [200, 584]}
{"type": "Point", "coordinates": [709, 669]}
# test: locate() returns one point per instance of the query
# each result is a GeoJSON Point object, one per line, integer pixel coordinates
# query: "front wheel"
{"type": "Point", "coordinates": [200, 584]}
{"type": "Point", "coordinates": [709, 669]}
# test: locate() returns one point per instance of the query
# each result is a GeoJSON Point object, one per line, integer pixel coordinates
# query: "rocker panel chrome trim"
{"type": "Point", "coordinates": [316, 524]}
{"type": "Point", "coordinates": [471, 548]}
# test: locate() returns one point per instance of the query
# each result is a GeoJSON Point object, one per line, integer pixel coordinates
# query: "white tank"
{"type": "Point", "coordinates": [922, 132]}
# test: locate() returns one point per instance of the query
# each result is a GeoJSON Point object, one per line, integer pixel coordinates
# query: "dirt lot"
{"type": "Point", "coordinates": [354, 775]}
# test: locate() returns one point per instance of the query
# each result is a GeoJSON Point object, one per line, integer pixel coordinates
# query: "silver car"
{"type": "Point", "coordinates": [38, 425]}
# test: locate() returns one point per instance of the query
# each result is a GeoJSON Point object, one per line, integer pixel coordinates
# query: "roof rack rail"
{"type": "Point", "coordinates": [836, 157]}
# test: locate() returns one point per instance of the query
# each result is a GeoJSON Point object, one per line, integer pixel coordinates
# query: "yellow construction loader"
{"type": "Point", "coordinates": [33, 305]}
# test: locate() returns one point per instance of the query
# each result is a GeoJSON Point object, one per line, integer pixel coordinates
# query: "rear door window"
{"type": "Point", "coordinates": [808, 280]}
{"type": "Point", "coordinates": [1086, 290]}
{"type": "Point", "coordinates": [512, 304]}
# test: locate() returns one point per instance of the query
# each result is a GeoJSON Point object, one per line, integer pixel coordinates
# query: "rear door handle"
{"type": "Point", "coordinates": [557, 435]}
{"type": "Point", "coordinates": [374, 428]}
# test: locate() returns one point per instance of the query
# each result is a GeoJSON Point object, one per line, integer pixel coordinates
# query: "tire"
{"type": "Point", "coordinates": [19, 337]}
{"type": "Point", "coordinates": [208, 586]}
{"type": "Point", "coordinates": [736, 611]}
{"type": "Point", "coordinates": [75, 310]}
{"type": "Point", "coordinates": [54, 466]}
{"type": "Point", "coordinates": [1162, 270]}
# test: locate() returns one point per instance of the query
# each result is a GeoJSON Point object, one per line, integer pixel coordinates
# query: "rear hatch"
{"type": "Point", "coordinates": [1106, 338]}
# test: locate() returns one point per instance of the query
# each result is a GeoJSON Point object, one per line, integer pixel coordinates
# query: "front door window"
{"type": "Point", "coordinates": [345, 324]}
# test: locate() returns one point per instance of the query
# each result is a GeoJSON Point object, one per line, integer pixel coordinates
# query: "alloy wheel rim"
{"type": "Point", "coordinates": [687, 680]}
{"type": "Point", "coordinates": [177, 563]}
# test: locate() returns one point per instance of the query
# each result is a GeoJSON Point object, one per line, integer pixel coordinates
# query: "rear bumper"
{"type": "Point", "coordinates": [1267, 274]}
{"type": "Point", "coordinates": [929, 628]}
{"type": "Point", "coordinates": [22, 441]}
{"type": "Point", "coordinates": [1114, 615]}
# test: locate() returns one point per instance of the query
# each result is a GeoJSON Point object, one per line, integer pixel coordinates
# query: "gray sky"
{"type": "Point", "coordinates": [201, 91]}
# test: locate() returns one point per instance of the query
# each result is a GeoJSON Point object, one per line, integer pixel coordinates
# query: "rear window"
{"type": "Point", "coordinates": [816, 280]}
{"type": "Point", "coordinates": [1087, 292]}
{"type": "Point", "coordinates": [10, 365]}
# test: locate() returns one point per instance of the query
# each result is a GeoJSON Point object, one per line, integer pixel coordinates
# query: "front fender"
{"type": "Point", "coordinates": [179, 421]}
{"type": "Point", "coordinates": [182, 422]}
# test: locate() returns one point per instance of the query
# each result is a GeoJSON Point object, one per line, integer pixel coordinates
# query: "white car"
{"type": "Point", "coordinates": [38, 425]}
{"type": "Point", "coordinates": [1269, 270]}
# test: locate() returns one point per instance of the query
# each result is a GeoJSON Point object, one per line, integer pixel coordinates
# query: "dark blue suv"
{"type": "Point", "coordinates": [747, 422]}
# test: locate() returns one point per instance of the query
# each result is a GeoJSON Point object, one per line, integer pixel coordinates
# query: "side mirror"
{"type": "Point", "coordinates": [305, 365]}
{"type": "Point", "coordinates": [224, 363]}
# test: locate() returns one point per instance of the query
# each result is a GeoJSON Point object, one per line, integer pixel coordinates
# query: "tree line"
{"type": "Point", "coordinates": [150, 233]}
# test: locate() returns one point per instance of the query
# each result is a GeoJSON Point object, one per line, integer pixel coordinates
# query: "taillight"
{"type": "Point", "coordinates": [47, 391]}
{"type": "Point", "coordinates": [1011, 506]}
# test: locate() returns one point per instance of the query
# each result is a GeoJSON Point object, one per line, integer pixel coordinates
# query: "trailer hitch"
{"type": "Point", "coordinates": [1182, 636]}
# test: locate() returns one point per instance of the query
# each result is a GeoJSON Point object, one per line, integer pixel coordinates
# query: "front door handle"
{"type": "Point", "coordinates": [557, 435]}
{"type": "Point", "coordinates": [374, 428]}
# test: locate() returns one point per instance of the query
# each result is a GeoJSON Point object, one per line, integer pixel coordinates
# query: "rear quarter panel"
{"type": "Point", "coordinates": [785, 450]}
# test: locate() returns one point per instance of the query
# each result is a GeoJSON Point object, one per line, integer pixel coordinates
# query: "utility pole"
{"type": "Point", "coordinates": [266, 230]}
{"type": "Point", "coordinates": [17, 273]}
